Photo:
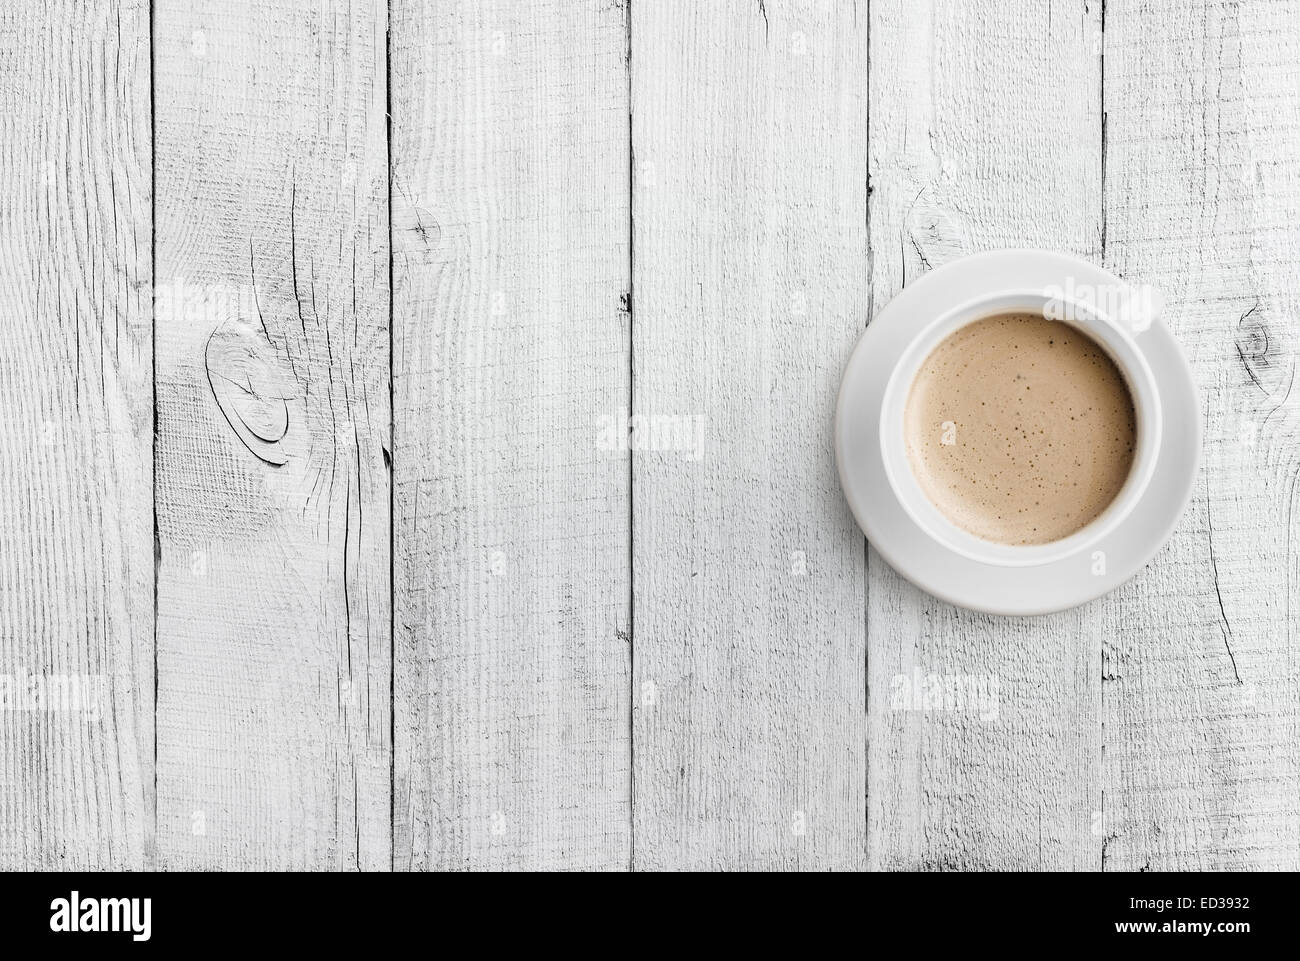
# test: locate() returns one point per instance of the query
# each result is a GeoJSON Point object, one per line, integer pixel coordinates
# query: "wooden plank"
{"type": "Point", "coordinates": [1202, 692]}
{"type": "Point", "coordinates": [511, 273]}
{"type": "Point", "coordinates": [749, 137]}
{"type": "Point", "coordinates": [273, 398]}
{"type": "Point", "coordinates": [985, 133]}
{"type": "Point", "coordinates": [76, 428]}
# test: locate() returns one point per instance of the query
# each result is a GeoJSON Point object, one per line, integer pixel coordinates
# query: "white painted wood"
{"type": "Point", "coordinates": [76, 424]}
{"type": "Point", "coordinates": [273, 435]}
{"type": "Point", "coordinates": [511, 270]}
{"type": "Point", "coordinates": [749, 137]}
{"type": "Point", "coordinates": [1202, 681]}
{"type": "Point", "coordinates": [985, 133]}
{"type": "Point", "coordinates": [670, 657]}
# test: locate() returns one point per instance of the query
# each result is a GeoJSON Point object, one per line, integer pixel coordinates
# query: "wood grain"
{"type": "Point", "coordinates": [1202, 679]}
{"type": "Point", "coordinates": [749, 197]}
{"type": "Point", "coordinates": [619, 615]}
{"type": "Point", "coordinates": [985, 133]}
{"type": "Point", "coordinates": [76, 424]}
{"type": "Point", "coordinates": [274, 666]}
{"type": "Point", "coordinates": [511, 278]}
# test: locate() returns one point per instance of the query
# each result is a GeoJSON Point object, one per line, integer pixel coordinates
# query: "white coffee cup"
{"type": "Point", "coordinates": [1116, 330]}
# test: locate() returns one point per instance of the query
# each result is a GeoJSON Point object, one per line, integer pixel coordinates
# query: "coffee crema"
{"type": "Point", "coordinates": [1021, 430]}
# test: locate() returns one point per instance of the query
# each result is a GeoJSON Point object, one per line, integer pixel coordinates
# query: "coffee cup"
{"type": "Point", "coordinates": [1115, 324]}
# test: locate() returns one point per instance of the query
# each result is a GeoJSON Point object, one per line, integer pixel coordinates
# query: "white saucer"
{"type": "Point", "coordinates": [995, 589]}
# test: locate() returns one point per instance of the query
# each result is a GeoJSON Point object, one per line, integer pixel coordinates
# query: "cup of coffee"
{"type": "Point", "coordinates": [1023, 426]}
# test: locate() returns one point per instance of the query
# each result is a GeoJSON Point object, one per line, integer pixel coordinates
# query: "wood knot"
{"type": "Point", "coordinates": [251, 389]}
{"type": "Point", "coordinates": [420, 235]}
{"type": "Point", "coordinates": [933, 236]}
{"type": "Point", "coordinates": [1252, 343]}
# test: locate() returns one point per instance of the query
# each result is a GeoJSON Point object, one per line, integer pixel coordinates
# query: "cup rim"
{"type": "Point", "coordinates": [1092, 320]}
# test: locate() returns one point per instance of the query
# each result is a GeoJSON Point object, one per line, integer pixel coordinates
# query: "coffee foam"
{"type": "Point", "coordinates": [1021, 430]}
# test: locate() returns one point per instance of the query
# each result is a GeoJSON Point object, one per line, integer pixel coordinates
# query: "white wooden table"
{"type": "Point", "coordinates": [322, 325]}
